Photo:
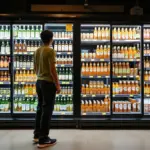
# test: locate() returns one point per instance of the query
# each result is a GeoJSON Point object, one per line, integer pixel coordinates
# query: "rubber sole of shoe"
{"type": "Point", "coordinates": [35, 141]}
{"type": "Point", "coordinates": [45, 145]}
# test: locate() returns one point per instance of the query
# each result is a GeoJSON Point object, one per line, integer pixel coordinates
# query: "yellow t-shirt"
{"type": "Point", "coordinates": [43, 58]}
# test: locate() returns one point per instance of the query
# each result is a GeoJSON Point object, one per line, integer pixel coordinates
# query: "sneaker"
{"type": "Point", "coordinates": [36, 139]}
{"type": "Point", "coordinates": [45, 142]}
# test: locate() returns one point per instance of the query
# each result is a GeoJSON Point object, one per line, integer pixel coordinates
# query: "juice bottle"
{"type": "Point", "coordinates": [105, 56]}
{"type": "Point", "coordinates": [126, 34]}
{"type": "Point", "coordinates": [116, 106]}
{"type": "Point", "coordinates": [129, 88]}
{"type": "Point", "coordinates": [83, 89]}
{"type": "Point", "coordinates": [99, 34]}
{"type": "Point", "coordinates": [103, 34]}
{"type": "Point", "coordinates": [128, 68]}
{"type": "Point", "coordinates": [120, 87]}
{"type": "Point", "coordinates": [106, 101]}
{"type": "Point", "coordinates": [97, 52]}
{"type": "Point", "coordinates": [122, 34]}
{"type": "Point", "coordinates": [108, 51]}
{"type": "Point", "coordinates": [94, 106]}
{"type": "Point", "coordinates": [133, 88]}
{"type": "Point", "coordinates": [34, 89]}
{"type": "Point", "coordinates": [98, 106]}
{"type": "Point", "coordinates": [130, 34]}
{"type": "Point", "coordinates": [119, 34]}
{"type": "Point", "coordinates": [26, 89]}
{"type": "Point", "coordinates": [105, 69]}
{"type": "Point", "coordinates": [98, 69]}
{"type": "Point", "coordinates": [101, 52]}
{"type": "Point", "coordinates": [107, 34]}
{"type": "Point", "coordinates": [101, 69]}
{"type": "Point", "coordinates": [137, 88]}
{"type": "Point", "coordinates": [115, 34]}
{"type": "Point", "coordinates": [116, 69]}
{"type": "Point", "coordinates": [130, 53]}
{"type": "Point", "coordinates": [120, 69]}
{"type": "Point", "coordinates": [87, 89]}
{"type": "Point", "coordinates": [94, 69]}
{"type": "Point", "coordinates": [83, 69]}
{"type": "Point", "coordinates": [95, 33]}
{"type": "Point", "coordinates": [146, 76]}
{"type": "Point", "coordinates": [117, 88]}
{"type": "Point", "coordinates": [90, 106]}
{"type": "Point", "coordinates": [134, 34]}
{"type": "Point", "coordinates": [125, 88]}
{"type": "Point", "coordinates": [91, 69]}
{"type": "Point", "coordinates": [82, 106]}
{"type": "Point", "coordinates": [87, 70]}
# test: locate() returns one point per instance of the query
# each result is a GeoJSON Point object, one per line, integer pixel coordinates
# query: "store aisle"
{"type": "Point", "coordinates": [79, 140]}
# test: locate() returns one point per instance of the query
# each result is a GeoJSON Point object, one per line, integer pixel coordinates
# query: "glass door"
{"type": "Point", "coordinates": [126, 59]}
{"type": "Point", "coordinates": [95, 72]}
{"type": "Point", "coordinates": [4, 68]}
{"type": "Point", "coordinates": [63, 45]}
{"type": "Point", "coordinates": [26, 39]}
{"type": "Point", "coordinates": [146, 69]}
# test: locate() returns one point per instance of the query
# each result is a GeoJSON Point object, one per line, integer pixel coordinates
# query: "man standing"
{"type": "Point", "coordinates": [46, 86]}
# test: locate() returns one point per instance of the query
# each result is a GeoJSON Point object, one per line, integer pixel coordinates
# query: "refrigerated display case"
{"type": "Point", "coordinates": [63, 45]}
{"type": "Point", "coordinates": [5, 105]}
{"type": "Point", "coordinates": [146, 52]}
{"type": "Point", "coordinates": [95, 72]}
{"type": "Point", "coordinates": [126, 63]}
{"type": "Point", "coordinates": [26, 39]}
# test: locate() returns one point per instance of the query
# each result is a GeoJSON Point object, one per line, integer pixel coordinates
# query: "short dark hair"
{"type": "Point", "coordinates": [46, 36]}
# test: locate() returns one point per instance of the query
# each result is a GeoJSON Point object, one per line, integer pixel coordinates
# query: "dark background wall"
{"type": "Point", "coordinates": [17, 6]}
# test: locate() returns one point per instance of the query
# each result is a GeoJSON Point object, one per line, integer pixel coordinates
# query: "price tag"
{"type": "Point", "coordinates": [62, 65]}
{"type": "Point", "coordinates": [0, 95]}
{"type": "Point", "coordinates": [24, 68]}
{"type": "Point", "coordinates": [118, 76]}
{"type": "Point", "coordinates": [26, 95]}
{"type": "Point", "coordinates": [25, 52]}
{"type": "Point", "coordinates": [84, 114]}
{"type": "Point", "coordinates": [20, 53]}
{"type": "Point", "coordinates": [99, 76]}
{"type": "Point", "coordinates": [114, 95]}
{"type": "Point", "coordinates": [93, 95]}
{"type": "Point", "coordinates": [104, 113]}
{"type": "Point", "coordinates": [63, 113]}
{"type": "Point", "coordinates": [84, 95]}
{"type": "Point", "coordinates": [69, 27]}
{"type": "Point", "coordinates": [131, 95]}
{"type": "Point", "coordinates": [92, 59]}
{"type": "Point", "coordinates": [7, 95]}
{"type": "Point", "coordinates": [101, 59]}
{"type": "Point", "coordinates": [1, 82]}
{"type": "Point", "coordinates": [124, 76]}
{"type": "Point", "coordinates": [91, 76]}
{"type": "Point", "coordinates": [22, 82]}
{"type": "Point", "coordinates": [31, 68]}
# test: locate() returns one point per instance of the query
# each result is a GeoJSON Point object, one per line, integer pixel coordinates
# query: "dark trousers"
{"type": "Point", "coordinates": [46, 92]}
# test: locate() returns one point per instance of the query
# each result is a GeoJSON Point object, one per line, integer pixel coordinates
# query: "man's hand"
{"type": "Point", "coordinates": [58, 89]}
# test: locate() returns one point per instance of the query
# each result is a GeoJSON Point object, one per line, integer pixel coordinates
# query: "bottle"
{"type": "Point", "coordinates": [24, 35]}
{"type": "Point", "coordinates": [2, 33]}
{"type": "Point", "coordinates": [7, 32]}
{"type": "Point", "coordinates": [28, 32]}
{"type": "Point", "coordinates": [7, 50]}
{"type": "Point", "coordinates": [59, 47]}
{"type": "Point", "coordinates": [3, 48]}
{"type": "Point", "coordinates": [70, 46]}
{"type": "Point", "coordinates": [99, 35]}
{"type": "Point", "coordinates": [32, 32]}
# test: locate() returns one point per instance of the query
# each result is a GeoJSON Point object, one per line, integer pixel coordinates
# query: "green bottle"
{"type": "Point", "coordinates": [32, 32]}
{"type": "Point", "coordinates": [2, 33]}
{"type": "Point", "coordinates": [35, 104]}
{"type": "Point", "coordinates": [23, 104]}
{"type": "Point", "coordinates": [3, 104]}
{"type": "Point", "coordinates": [15, 104]}
{"type": "Point", "coordinates": [0, 104]}
{"type": "Point", "coordinates": [28, 104]}
{"type": "Point", "coordinates": [32, 104]}
{"type": "Point", "coordinates": [20, 104]}
{"type": "Point", "coordinates": [7, 33]}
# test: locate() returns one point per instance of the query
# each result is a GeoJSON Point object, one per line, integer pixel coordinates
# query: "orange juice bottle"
{"type": "Point", "coordinates": [114, 88]}
{"type": "Point", "coordinates": [86, 106]}
{"type": "Point", "coordinates": [122, 34]}
{"type": "Point", "coordinates": [101, 69]}
{"type": "Point", "coordinates": [94, 87]}
{"type": "Point", "coordinates": [82, 106]}
{"type": "Point", "coordinates": [120, 69]}
{"type": "Point", "coordinates": [26, 89]}
{"type": "Point", "coordinates": [114, 34]}
{"type": "Point", "coordinates": [108, 69]}
{"type": "Point", "coordinates": [95, 33]}
{"type": "Point", "coordinates": [124, 73]}
{"type": "Point", "coordinates": [34, 89]}
{"type": "Point", "coordinates": [83, 89]}
{"type": "Point", "coordinates": [108, 51]}
{"type": "Point", "coordinates": [105, 69]}
{"type": "Point", "coordinates": [146, 76]}
{"type": "Point", "coordinates": [94, 106]}
{"type": "Point", "coordinates": [101, 52]}
{"type": "Point", "coordinates": [125, 88]}
{"type": "Point", "coordinates": [98, 106]}
{"type": "Point", "coordinates": [128, 68]}
{"type": "Point", "coordinates": [126, 34]}
{"type": "Point", "coordinates": [120, 87]}
{"type": "Point", "coordinates": [130, 34]}
{"type": "Point", "coordinates": [116, 69]}
{"type": "Point", "coordinates": [97, 52]}
{"type": "Point", "coordinates": [106, 102]}
{"type": "Point", "coordinates": [87, 70]}
{"type": "Point", "coordinates": [87, 89]}
{"type": "Point", "coordinates": [16, 76]}
{"type": "Point", "coordinates": [134, 34]}
{"type": "Point", "coordinates": [107, 34]}
{"type": "Point", "coordinates": [129, 87]}
{"type": "Point", "coordinates": [103, 34]}
{"type": "Point", "coordinates": [137, 88]}
{"type": "Point", "coordinates": [94, 69]}
{"type": "Point", "coordinates": [91, 69]}
{"type": "Point", "coordinates": [130, 53]}
{"type": "Point", "coordinates": [98, 69]}
{"type": "Point", "coordinates": [119, 34]}
{"type": "Point", "coordinates": [99, 35]}
{"type": "Point", "coordinates": [133, 88]}
{"type": "Point", "coordinates": [83, 69]}
{"type": "Point", "coordinates": [105, 56]}
{"type": "Point", "coordinates": [117, 88]}
{"type": "Point", "coordinates": [90, 106]}
{"type": "Point", "coordinates": [90, 88]}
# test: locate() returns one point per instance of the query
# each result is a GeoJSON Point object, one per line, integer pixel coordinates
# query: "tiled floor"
{"type": "Point", "coordinates": [79, 140]}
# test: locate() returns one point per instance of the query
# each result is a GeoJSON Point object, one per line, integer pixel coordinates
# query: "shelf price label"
{"type": "Point", "coordinates": [1, 82]}
{"type": "Point", "coordinates": [84, 95]}
{"type": "Point", "coordinates": [84, 114]}
{"type": "Point", "coordinates": [101, 59]}
{"type": "Point", "coordinates": [104, 113]}
{"type": "Point", "coordinates": [69, 27]}
{"type": "Point", "coordinates": [93, 95]}
{"type": "Point", "coordinates": [63, 113]}
{"type": "Point", "coordinates": [91, 76]}
{"type": "Point", "coordinates": [131, 95]}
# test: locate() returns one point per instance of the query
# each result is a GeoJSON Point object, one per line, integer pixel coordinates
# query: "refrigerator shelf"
{"type": "Point", "coordinates": [124, 113]}
{"type": "Point", "coordinates": [146, 82]}
{"type": "Point", "coordinates": [90, 41]}
{"type": "Point", "coordinates": [94, 77]}
{"type": "Point", "coordinates": [64, 53]}
{"type": "Point", "coordinates": [24, 83]}
{"type": "Point", "coordinates": [95, 60]}
{"type": "Point", "coordinates": [4, 69]}
{"type": "Point", "coordinates": [94, 95]}
{"type": "Point", "coordinates": [126, 77]}
{"type": "Point", "coordinates": [64, 95]}
{"type": "Point", "coordinates": [147, 55]}
{"type": "Point", "coordinates": [125, 60]}
{"type": "Point", "coordinates": [62, 113]}
{"type": "Point", "coordinates": [23, 38]}
{"type": "Point", "coordinates": [126, 95]}
{"type": "Point", "coordinates": [24, 112]}
{"type": "Point", "coordinates": [4, 39]}
{"type": "Point", "coordinates": [5, 96]}
{"type": "Point", "coordinates": [147, 96]}
{"type": "Point", "coordinates": [66, 82]}
{"type": "Point", "coordinates": [146, 41]}
{"type": "Point", "coordinates": [95, 113]}
{"type": "Point", "coordinates": [4, 112]}
{"type": "Point", "coordinates": [24, 68]}
{"type": "Point", "coordinates": [23, 53]}
{"type": "Point", "coordinates": [4, 54]}
{"type": "Point", "coordinates": [126, 41]}
{"type": "Point", "coordinates": [19, 95]}
{"type": "Point", "coordinates": [146, 113]}
{"type": "Point", "coordinates": [4, 83]}
{"type": "Point", "coordinates": [64, 65]}
{"type": "Point", "coordinates": [62, 39]}
{"type": "Point", "coordinates": [148, 69]}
